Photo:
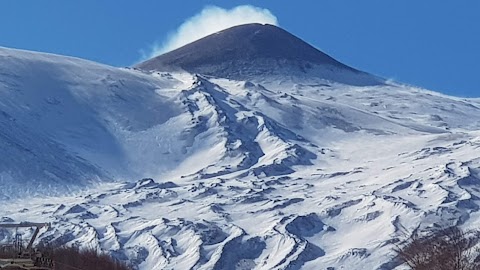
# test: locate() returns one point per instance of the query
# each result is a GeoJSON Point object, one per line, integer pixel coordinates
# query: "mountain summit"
{"type": "Point", "coordinates": [256, 50]}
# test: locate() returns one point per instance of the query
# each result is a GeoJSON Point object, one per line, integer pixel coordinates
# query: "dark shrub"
{"type": "Point", "coordinates": [441, 249]}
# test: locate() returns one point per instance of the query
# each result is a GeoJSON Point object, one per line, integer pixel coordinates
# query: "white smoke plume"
{"type": "Point", "coordinates": [210, 20]}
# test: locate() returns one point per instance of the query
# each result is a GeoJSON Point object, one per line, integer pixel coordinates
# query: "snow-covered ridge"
{"type": "Point", "coordinates": [267, 173]}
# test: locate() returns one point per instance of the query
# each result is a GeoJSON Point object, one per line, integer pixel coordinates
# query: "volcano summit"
{"type": "Point", "coordinates": [245, 52]}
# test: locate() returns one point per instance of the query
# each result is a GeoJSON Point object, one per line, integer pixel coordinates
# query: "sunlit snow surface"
{"type": "Point", "coordinates": [275, 173]}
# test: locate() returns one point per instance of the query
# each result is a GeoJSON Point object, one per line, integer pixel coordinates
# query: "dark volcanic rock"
{"type": "Point", "coordinates": [252, 50]}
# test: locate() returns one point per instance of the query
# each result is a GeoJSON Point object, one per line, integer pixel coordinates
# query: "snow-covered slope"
{"type": "Point", "coordinates": [273, 172]}
{"type": "Point", "coordinates": [67, 121]}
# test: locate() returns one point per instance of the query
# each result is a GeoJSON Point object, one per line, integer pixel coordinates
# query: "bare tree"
{"type": "Point", "coordinates": [67, 258]}
{"type": "Point", "coordinates": [448, 248]}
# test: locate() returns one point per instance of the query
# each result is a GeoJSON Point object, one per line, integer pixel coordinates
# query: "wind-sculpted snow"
{"type": "Point", "coordinates": [185, 171]}
{"type": "Point", "coordinates": [301, 221]}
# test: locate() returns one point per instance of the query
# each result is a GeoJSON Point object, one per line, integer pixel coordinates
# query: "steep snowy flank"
{"type": "Point", "coordinates": [66, 121]}
{"type": "Point", "coordinates": [175, 170]}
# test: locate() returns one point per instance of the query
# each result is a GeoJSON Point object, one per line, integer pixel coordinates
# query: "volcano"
{"type": "Point", "coordinates": [247, 149]}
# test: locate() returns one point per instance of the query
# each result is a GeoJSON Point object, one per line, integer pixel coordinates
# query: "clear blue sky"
{"type": "Point", "coordinates": [429, 43]}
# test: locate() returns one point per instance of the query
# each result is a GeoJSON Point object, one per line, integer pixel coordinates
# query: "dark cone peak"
{"type": "Point", "coordinates": [246, 51]}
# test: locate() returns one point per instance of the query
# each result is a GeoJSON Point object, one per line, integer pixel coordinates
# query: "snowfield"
{"type": "Point", "coordinates": [184, 171]}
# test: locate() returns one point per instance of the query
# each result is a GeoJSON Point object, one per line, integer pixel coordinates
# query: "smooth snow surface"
{"type": "Point", "coordinates": [260, 174]}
